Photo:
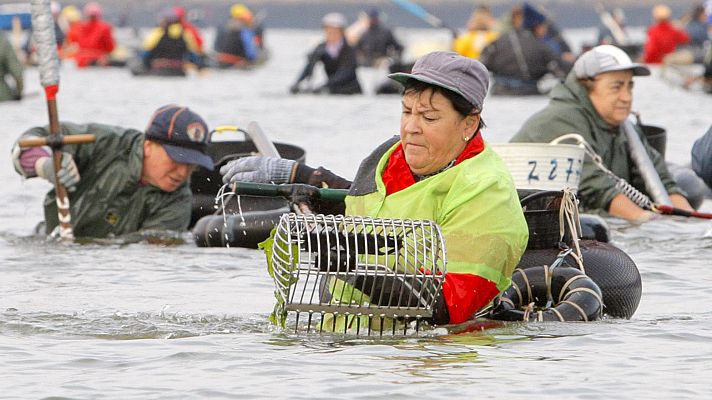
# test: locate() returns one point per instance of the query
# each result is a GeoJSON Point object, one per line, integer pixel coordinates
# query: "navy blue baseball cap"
{"type": "Point", "coordinates": [182, 133]}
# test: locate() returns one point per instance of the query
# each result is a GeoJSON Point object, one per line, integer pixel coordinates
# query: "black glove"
{"type": "Point", "coordinates": [305, 194]}
{"type": "Point", "coordinates": [441, 316]}
{"type": "Point", "coordinates": [294, 89]}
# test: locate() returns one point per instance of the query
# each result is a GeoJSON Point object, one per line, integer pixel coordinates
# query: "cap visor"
{"type": "Point", "coordinates": [638, 69]}
{"type": "Point", "coordinates": [402, 77]}
{"type": "Point", "coordinates": [188, 156]}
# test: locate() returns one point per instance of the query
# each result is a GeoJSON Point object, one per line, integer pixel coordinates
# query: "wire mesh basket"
{"type": "Point", "coordinates": [354, 273]}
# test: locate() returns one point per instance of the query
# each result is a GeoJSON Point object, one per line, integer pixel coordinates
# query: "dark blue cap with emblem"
{"type": "Point", "coordinates": [182, 133]}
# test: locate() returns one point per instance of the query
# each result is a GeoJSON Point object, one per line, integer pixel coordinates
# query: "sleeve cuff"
{"type": "Point", "coordinates": [302, 173]}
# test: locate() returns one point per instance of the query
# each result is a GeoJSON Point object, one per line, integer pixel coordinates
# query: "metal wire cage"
{"type": "Point", "coordinates": [357, 269]}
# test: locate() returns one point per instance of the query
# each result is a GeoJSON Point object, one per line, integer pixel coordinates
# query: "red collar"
{"type": "Point", "coordinates": [398, 176]}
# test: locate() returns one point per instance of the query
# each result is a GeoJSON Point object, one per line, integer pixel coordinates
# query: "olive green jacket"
{"type": "Point", "coordinates": [571, 111]}
{"type": "Point", "coordinates": [110, 199]}
{"type": "Point", "coordinates": [9, 65]}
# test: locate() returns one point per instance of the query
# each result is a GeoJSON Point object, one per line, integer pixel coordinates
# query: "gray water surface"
{"type": "Point", "coordinates": [136, 321]}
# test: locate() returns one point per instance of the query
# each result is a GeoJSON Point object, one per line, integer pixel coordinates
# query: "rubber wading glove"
{"type": "Point", "coordinates": [68, 173]}
{"type": "Point", "coordinates": [258, 169]}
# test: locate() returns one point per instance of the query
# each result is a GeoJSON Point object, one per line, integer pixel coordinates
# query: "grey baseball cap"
{"type": "Point", "coordinates": [606, 58]}
{"type": "Point", "coordinates": [465, 76]}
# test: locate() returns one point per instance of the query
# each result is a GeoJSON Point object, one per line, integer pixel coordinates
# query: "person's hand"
{"type": "Point", "coordinates": [294, 89]}
{"type": "Point", "coordinates": [258, 169]}
{"type": "Point", "coordinates": [306, 197]}
{"type": "Point", "coordinates": [646, 216]}
{"type": "Point", "coordinates": [68, 173]}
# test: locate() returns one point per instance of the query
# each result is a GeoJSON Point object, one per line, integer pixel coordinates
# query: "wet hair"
{"type": "Point", "coordinates": [462, 106]}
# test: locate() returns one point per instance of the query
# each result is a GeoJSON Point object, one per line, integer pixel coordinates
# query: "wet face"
{"type": "Point", "coordinates": [612, 95]}
{"type": "Point", "coordinates": [432, 132]}
{"type": "Point", "coordinates": [160, 170]}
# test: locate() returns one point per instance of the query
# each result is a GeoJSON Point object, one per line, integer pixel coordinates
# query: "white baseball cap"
{"type": "Point", "coordinates": [606, 58]}
{"type": "Point", "coordinates": [334, 20]}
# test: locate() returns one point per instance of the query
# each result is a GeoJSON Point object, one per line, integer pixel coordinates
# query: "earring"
{"type": "Point", "coordinates": [466, 138]}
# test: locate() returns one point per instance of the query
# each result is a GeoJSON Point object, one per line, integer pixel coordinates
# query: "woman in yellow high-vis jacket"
{"type": "Point", "coordinates": [438, 169]}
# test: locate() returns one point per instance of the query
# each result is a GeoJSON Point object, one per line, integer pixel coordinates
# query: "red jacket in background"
{"type": "Point", "coordinates": [663, 38]}
{"type": "Point", "coordinates": [192, 29]}
{"type": "Point", "coordinates": [95, 41]}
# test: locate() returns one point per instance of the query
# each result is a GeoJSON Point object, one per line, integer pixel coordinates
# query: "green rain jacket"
{"type": "Point", "coordinates": [571, 111]}
{"type": "Point", "coordinates": [474, 203]}
{"type": "Point", "coordinates": [9, 65]}
{"type": "Point", "coordinates": [109, 199]}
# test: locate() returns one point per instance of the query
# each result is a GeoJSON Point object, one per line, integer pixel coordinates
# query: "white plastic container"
{"type": "Point", "coordinates": [542, 166]}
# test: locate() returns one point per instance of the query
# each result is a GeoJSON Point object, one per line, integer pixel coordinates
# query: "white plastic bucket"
{"type": "Point", "coordinates": [542, 166]}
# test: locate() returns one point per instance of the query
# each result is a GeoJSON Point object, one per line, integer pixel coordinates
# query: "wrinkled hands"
{"type": "Point", "coordinates": [258, 169]}
{"type": "Point", "coordinates": [68, 173]}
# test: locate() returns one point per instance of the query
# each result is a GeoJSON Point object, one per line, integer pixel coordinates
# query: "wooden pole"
{"type": "Point", "coordinates": [48, 65]}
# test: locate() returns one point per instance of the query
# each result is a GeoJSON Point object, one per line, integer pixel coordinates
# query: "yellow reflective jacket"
{"type": "Point", "coordinates": [474, 203]}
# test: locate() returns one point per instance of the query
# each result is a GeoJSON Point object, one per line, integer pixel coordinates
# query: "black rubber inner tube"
{"type": "Point", "coordinates": [246, 230]}
{"type": "Point", "coordinates": [609, 267]}
{"type": "Point", "coordinates": [544, 293]}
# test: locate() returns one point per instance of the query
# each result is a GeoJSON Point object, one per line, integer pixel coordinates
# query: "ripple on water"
{"type": "Point", "coordinates": [123, 326]}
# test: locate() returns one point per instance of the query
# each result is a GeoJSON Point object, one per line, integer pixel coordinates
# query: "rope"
{"type": "Point", "coordinates": [220, 198]}
{"type": "Point", "coordinates": [569, 214]}
{"type": "Point", "coordinates": [528, 310]}
{"type": "Point", "coordinates": [624, 187]}
{"type": "Point", "coordinates": [578, 308]}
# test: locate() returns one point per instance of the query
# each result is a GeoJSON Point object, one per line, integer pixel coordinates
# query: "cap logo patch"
{"type": "Point", "coordinates": [195, 132]}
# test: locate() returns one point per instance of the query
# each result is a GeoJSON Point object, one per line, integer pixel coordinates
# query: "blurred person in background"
{"type": "Point", "coordinates": [694, 51]}
{"type": "Point", "coordinates": [702, 157]}
{"type": "Point", "coordinates": [518, 60]}
{"type": "Point", "coordinates": [545, 30]}
{"type": "Point", "coordinates": [377, 43]}
{"type": "Point", "coordinates": [236, 43]}
{"type": "Point", "coordinates": [697, 26]}
{"type": "Point", "coordinates": [480, 33]}
{"type": "Point", "coordinates": [10, 69]}
{"type": "Point", "coordinates": [338, 58]}
{"type": "Point", "coordinates": [663, 36]}
{"type": "Point", "coordinates": [197, 57]}
{"type": "Point", "coordinates": [606, 34]}
{"type": "Point", "coordinates": [169, 47]}
{"type": "Point", "coordinates": [91, 39]}
{"type": "Point", "coordinates": [189, 27]}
